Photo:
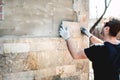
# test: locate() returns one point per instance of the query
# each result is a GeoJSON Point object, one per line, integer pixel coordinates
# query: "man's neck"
{"type": "Point", "coordinates": [112, 40]}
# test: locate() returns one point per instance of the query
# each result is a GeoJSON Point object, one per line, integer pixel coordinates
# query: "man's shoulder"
{"type": "Point", "coordinates": [98, 44]}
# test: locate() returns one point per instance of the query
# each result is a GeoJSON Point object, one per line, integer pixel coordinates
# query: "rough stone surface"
{"type": "Point", "coordinates": [0, 77]}
{"type": "Point", "coordinates": [16, 47]}
{"type": "Point", "coordinates": [30, 46]}
{"type": "Point", "coordinates": [52, 61]}
{"type": "Point", "coordinates": [35, 18]}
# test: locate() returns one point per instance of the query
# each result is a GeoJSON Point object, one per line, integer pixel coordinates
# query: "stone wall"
{"type": "Point", "coordinates": [40, 58]}
{"type": "Point", "coordinates": [35, 17]}
{"type": "Point", "coordinates": [30, 46]}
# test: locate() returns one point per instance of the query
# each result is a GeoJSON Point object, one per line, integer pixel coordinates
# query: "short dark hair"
{"type": "Point", "coordinates": [114, 25]}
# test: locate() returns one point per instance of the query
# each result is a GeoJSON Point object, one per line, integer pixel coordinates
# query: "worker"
{"type": "Point", "coordinates": [104, 54]}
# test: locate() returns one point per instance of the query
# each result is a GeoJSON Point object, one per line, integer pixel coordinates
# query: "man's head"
{"type": "Point", "coordinates": [111, 27]}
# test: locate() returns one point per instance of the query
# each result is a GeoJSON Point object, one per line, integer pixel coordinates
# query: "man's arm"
{"type": "Point", "coordinates": [92, 38]}
{"type": "Point", "coordinates": [76, 54]}
{"type": "Point", "coordinates": [80, 54]}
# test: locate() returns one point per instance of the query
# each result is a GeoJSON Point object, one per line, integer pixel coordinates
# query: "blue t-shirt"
{"type": "Point", "coordinates": [105, 60]}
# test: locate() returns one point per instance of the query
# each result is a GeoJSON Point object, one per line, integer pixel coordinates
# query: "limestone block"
{"type": "Point", "coordinates": [82, 65]}
{"type": "Point", "coordinates": [84, 76]}
{"type": "Point", "coordinates": [29, 75]}
{"type": "Point", "coordinates": [13, 63]}
{"type": "Point", "coordinates": [1, 48]}
{"type": "Point", "coordinates": [74, 28]}
{"type": "Point", "coordinates": [76, 77]}
{"type": "Point", "coordinates": [49, 52]}
{"type": "Point", "coordinates": [44, 44]}
{"type": "Point", "coordinates": [43, 73]}
{"type": "Point", "coordinates": [65, 69]}
{"type": "Point", "coordinates": [2, 63]}
{"type": "Point", "coordinates": [44, 59]}
{"type": "Point", "coordinates": [82, 11]}
{"type": "Point", "coordinates": [1, 77]}
{"type": "Point", "coordinates": [43, 53]}
{"type": "Point", "coordinates": [36, 18]}
{"type": "Point", "coordinates": [46, 56]}
{"type": "Point", "coordinates": [16, 47]}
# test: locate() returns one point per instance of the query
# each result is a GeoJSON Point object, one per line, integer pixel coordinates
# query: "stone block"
{"type": "Point", "coordinates": [82, 65]}
{"type": "Point", "coordinates": [82, 11]}
{"type": "Point", "coordinates": [43, 53]}
{"type": "Point", "coordinates": [71, 78]}
{"type": "Point", "coordinates": [65, 69]}
{"type": "Point", "coordinates": [44, 44]}
{"type": "Point", "coordinates": [1, 77]}
{"type": "Point", "coordinates": [36, 18]}
{"type": "Point", "coordinates": [1, 48]}
{"type": "Point", "coordinates": [49, 52]}
{"type": "Point", "coordinates": [30, 52]}
{"type": "Point", "coordinates": [16, 47]}
{"type": "Point", "coordinates": [84, 76]}
{"type": "Point", "coordinates": [12, 63]}
{"type": "Point", "coordinates": [74, 28]}
{"type": "Point", "coordinates": [43, 73]}
{"type": "Point", "coordinates": [29, 75]}
{"type": "Point", "coordinates": [2, 63]}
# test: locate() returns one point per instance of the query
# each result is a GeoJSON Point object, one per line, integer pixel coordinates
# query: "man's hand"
{"type": "Point", "coordinates": [85, 32]}
{"type": "Point", "coordinates": [64, 32]}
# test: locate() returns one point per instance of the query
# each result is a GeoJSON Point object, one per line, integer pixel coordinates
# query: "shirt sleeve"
{"type": "Point", "coordinates": [93, 52]}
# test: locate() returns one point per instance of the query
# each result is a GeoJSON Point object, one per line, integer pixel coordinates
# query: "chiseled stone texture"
{"type": "Point", "coordinates": [44, 58]}
{"type": "Point", "coordinates": [39, 62]}
{"type": "Point", "coordinates": [19, 76]}
{"type": "Point", "coordinates": [16, 47]}
{"type": "Point", "coordinates": [2, 63]}
{"type": "Point", "coordinates": [47, 74]}
{"type": "Point", "coordinates": [1, 48]}
{"type": "Point", "coordinates": [30, 46]}
{"type": "Point", "coordinates": [1, 77]}
{"type": "Point", "coordinates": [35, 17]}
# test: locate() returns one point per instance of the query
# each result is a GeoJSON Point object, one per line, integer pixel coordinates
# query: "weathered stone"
{"type": "Point", "coordinates": [29, 75]}
{"type": "Point", "coordinates": [16, 47]}
{"type": "Point", "coordinates": [84, 76]}
{"type": "Point", "coordinates": [30, 49]}
{"type": "Point", "coordinates": [43, 73]}
{"type": "Point", "coordinates": [81, 7]}
{"type": "Point", "coordinates": [1, 48]}
{"type": "Point", "coordinates": [1, 77]}
{"type": "Point", "coordinates": [40, 57]}
{"type": "Point", "coordinates": [14, 63]}
{"type": "Point", "coordinates": [82, 65]}
{"type": "Point", "coordinates": [71, 78]}
{"type": "Point", "coordinates": [2, 63]}
{"type": "Point", "coordinates": [65, 69]}
{"type": "Point", "coordinates": [48, 44]}
{"type": "Point", "coordinates": [36, 18]}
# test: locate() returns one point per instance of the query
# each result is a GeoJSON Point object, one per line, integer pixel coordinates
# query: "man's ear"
{"type": "Point", "coordinates": [107, 28]}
